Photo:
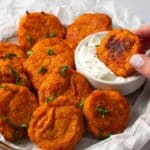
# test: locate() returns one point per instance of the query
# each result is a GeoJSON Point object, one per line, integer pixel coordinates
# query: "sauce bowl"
{"type": "Point", "coordinates": [127, 86]}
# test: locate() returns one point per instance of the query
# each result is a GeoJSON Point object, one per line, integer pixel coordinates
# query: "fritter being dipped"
{"type": "Point", "coordinates": [17, 104]}
{"type": "Point", "coordinates": [85, 25]}
{"type": "Point", "coordinates": [64, 81]}
{"type": "Point", "coordinates": [106, 113]}
{"type": "Point", "coordinates": [116, 49]}
{"type": "Point", "coordinates": [56, 127]}
{"type": "Point", "coordinates": [47, 54]}
{"type": "Point", "coordinates": [36, 26]}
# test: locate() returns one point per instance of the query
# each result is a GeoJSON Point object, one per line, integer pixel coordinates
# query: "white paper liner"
{"type": "Point", "coordinates": [137, 134]}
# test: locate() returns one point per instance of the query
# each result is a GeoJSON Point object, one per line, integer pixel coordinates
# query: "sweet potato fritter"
{"type": "Point", "coordinates": [36, 26]}
{"type": "Point", "coordinates": [11, 65]}
{"type": "Point", "coordinates": [106, 113]}
{"type": "Point", "coordinates": [17, 104]}
{"type": "Point", "coordinates": [85, 25]}
{"type": "Point", "coordinates": [47, 55]}
{"type": "Point", "coordinates": [56, 127]}
{"type": "Point", "coordinates": [116, 48]}
{"type": "Point", "coordinates": [64, 82]}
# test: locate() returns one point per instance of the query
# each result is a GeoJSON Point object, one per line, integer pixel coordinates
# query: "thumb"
{"type": "Point", "coordinates": [141, 63]}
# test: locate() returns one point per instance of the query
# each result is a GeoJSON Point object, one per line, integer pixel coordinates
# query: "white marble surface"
{"type": "Point", "coordinates": [139, 7]}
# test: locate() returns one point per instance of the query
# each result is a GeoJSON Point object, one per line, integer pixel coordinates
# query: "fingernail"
{"type": "Point", "coordinates": [136, 61]}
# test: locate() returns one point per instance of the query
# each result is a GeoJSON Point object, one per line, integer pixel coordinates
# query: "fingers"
{"type": "Point", "coordinates": [143, 32]}
{"type": "Point", "coordinates": [146, 44]}
{"type": "Point", "coordinates": [142, 64]}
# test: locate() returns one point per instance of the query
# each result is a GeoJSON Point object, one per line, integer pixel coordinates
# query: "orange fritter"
{"type": "Point", "coordinates": [116, 48]}
{"type": "Point", "coordinates": [47, 55]}
{"type": "Point", "coordinates": [17, 104]}
{"type": "Point", "coordinates": [66, 82]}
{"type": "Point", "coordinates": [11, 64]}
{"type": "Point", "coordinates": [56, 127]}
{"type": "Point", "coordinates": [85, 25]}
{"type": "Point", "coordinates": [106, 112]}
{"type": "Point", "coordinates": [36, 26]}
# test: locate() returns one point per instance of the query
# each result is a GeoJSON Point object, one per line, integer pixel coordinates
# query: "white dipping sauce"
{"type": "Point", "coordinates": [92, 65]}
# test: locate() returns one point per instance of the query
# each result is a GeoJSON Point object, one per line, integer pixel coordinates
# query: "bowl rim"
{"type": "Point", "coordinates": [82, 43]}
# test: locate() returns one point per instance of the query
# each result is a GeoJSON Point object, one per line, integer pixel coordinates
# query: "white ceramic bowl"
{"type": "Point", "coordinates": [125, 87]}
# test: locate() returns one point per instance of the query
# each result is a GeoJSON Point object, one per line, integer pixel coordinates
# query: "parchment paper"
{"type": "Point", "coordinates": [137, 134]}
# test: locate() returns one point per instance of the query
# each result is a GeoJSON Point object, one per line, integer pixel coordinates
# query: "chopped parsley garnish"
{"type": "Point", "coordinates": [81, 103]}
{"type": "Point", "coordinates": [28, 53]}
{"type": "Point", "coordinates": [5, 119]}
{"type": "Point", "coordinates": [51, 98]}
{"type": "Point", "coordinates": [42, 70]}
{"type": "Point", "coordinates": [102, 111]}
{"type": "Point", "coordinates": [50, 52]}
{"type": "Point", "coordinates": [16, 138]}
{"type": "Point", "coordinates": [16, 75]}
{"type": "Point", "coordinates": [96, 45]}
{"type": "Point", "coordinates": [29, 39]}
{"type": "Point", "coordinates": [10, 55]}
{"type": "Point", "coordinates": [51, 35]}
{"type": "Point", "coordinates": [63, 69]}
{"type": "Point", "coordinates": [23, 125]}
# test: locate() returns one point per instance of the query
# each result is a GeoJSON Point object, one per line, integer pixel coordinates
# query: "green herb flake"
{"type": "Point", "coordinates": [23, 126]}
{"type": "Point", "coordinates": [102, 111]}
{"type": "Point", "coordinates": [16, 75]}
{"type": "Point", "coordinates": [28, 53]}
{"type": "Point", "coordinates": [63, 69]}
{"type": "Point", "coordinates": [96, 45]}
{"type": "Point", "coordinates": [5, 119]}
{"type": "Point", "coordinates": [16, 138]}
{"type": "Point", "coordinates": [29, 39]}
{"type": "Point", "coordinates": [10, 55]}
{"type": "Point", "coordinates": [51, 98]}
{"type": "Point", "coordinates": [81, 103]}
{"type": "Point", "coordinates": [42, 70]}
{"type": "Point", "coordinates": [51, 35]}
{"type": "Point", "coordinates": [50, 52]}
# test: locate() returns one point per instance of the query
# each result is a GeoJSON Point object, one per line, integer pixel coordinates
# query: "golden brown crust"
{"type": "Point", "coordinates": [11, 64]}
{"type": "Point", "coordinates": [36, 26]}
{"type": "Point", "coordinates": [56, 127]}
{"type": "Point", "coordinates": [116, 49]}
{"type": "Point", "coordinates": [60, 55]}
{"type": "Point", "coordinates": [17, 104]}
{"type": "Point", "coordinates": [85, 25]}
{"type": "Point", "coordinates": [106, 112]}
{"type": "Point", "coordinates": [71, 85]}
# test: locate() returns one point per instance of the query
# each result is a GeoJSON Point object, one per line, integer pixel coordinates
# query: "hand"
{"type": "Point", "coordinates": [139, 61]}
